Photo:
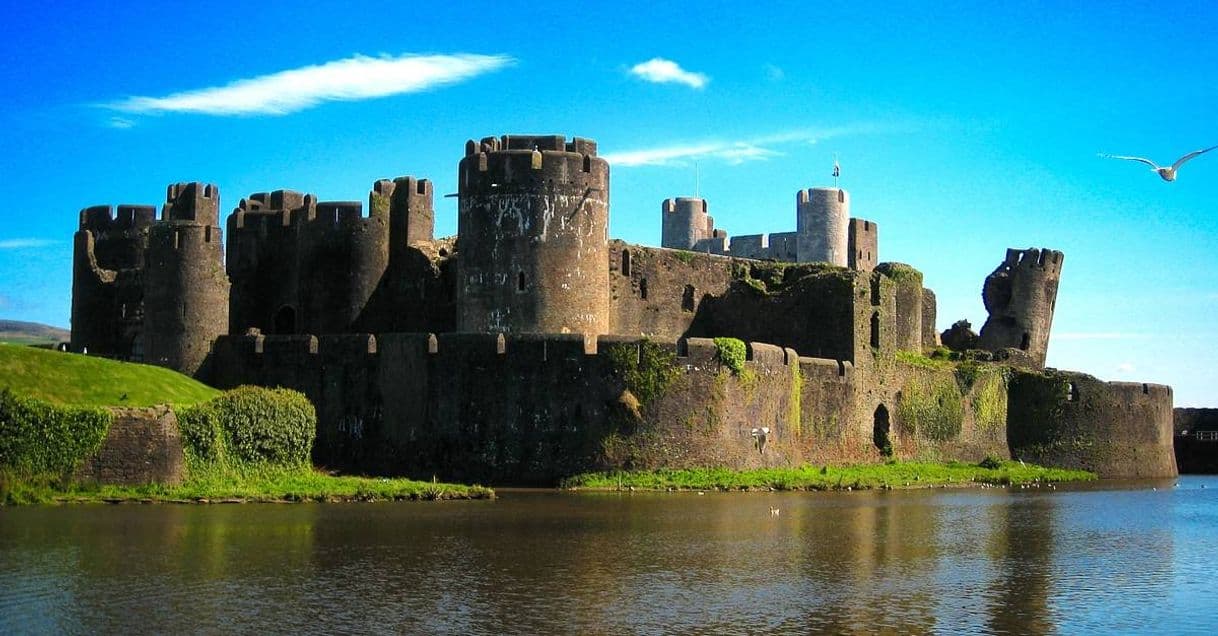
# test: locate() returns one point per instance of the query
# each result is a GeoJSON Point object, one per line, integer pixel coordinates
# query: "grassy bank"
{"type": "Point", "coordinates": [265, 484]}
{"type": "Point", "coordinates": [79, 380]}
{"type": "Point", "coordinates": [860, 477]}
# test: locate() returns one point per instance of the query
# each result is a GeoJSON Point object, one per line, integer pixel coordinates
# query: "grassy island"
{"type": "Point", "coordinates": [859, 477]}
{"type": "Point", "coordinates": [246, 445]}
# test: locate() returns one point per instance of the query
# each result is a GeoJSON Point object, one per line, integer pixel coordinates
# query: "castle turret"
{"type": "Point", "coordinates": [685, 222]}
{"type": "Point", "coordinates": [821, 225]}
{"type": "Point", "coordinates": [1020, 296]}
{"type": "Point", "coordinates": [532, 227]}
{"type": "Point", "coordinates": [185, 288]}
{"type": "Point", "coordinates": [863, 245]}
{"type": "Point", "coordinates": [107, 291]}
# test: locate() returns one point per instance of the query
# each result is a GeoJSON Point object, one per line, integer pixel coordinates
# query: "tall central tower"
{"type": "Point", "coordinates": [532, 236]}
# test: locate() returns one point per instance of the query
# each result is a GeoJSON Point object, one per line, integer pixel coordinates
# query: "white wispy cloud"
{"type": "Point", "coordinates": [122, 123]}
{"type": "Point", "coordinates": [1125, 368]}
{"type": "Point", "coordinates": [25, 243]}
{"type": "Point", "coordinates": [774, 73]}
{"type": "Point", "coordinates": [355, 78]}
{"type": "Point", "coordinates": [661, 71]}
{"type": "Point", "coordinates": [738, 151]}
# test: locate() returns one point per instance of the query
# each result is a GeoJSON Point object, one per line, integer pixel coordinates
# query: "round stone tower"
{"type": "Point", "coordinates": [532, 236]}
{"type": "Point", "coordinates": [1020, 296]}
{"type": "Point", "coordinates": [685, 222]}
{"type": "Point", "coordinates": [185, 288]}
{"type": "Point", "coordinates": [822, 218]}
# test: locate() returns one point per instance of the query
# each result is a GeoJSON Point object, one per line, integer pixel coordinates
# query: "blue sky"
{"type": "Point", "coordinates": [961, 128]}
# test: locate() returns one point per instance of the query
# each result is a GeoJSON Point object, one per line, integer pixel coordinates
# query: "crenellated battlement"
{"type": "Point", "coordinates": [514, 162]}
{"type": "Point", "coordinates": [195, 202]}
{"type": "Point", "coordinates": [1050, 261]}
{"type": "Point", "coordinates": [101, 219]}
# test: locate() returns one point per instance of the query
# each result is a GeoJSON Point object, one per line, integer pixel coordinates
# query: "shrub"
{"type": "Point", "coordinates": [251, 425]}
{"type": "Point", "coordinates": [990, 463]}
{"type": "Point", "coordinates": [40, 437]}
{"type": "Point", "coordinates": [731, 353]}
{"type": "Point", "coordinates": [647, 371]}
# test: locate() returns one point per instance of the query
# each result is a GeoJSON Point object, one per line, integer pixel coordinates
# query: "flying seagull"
{"type": "Point", "coordinates": [1168, 173]}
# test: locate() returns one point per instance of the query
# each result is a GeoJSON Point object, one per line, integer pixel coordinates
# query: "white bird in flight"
{"type": "Point", "coordinates": [1168, 173]}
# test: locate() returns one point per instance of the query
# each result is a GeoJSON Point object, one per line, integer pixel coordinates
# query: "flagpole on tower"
{"type": "Point", "coordinates": [837, 170]}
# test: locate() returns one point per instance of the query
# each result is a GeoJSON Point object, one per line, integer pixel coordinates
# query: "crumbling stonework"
{"type": "Point", "coordinates": [143, 446]}
{"type": "Point", "coordinates": [531, 346]}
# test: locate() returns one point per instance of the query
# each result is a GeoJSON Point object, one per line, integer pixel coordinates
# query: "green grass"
{"type": "Point", "coordinates": [250, 484]}
{"type": "Point", "coordinates": [867, 476]}
{"type": "Point", "coordinates": [68, 378]}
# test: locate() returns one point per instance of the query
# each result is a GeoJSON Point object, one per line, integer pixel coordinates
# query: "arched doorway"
{"type": "Point", "coordinates": [285, 320]}
{"type": "Point", "coordinates": [880, 431]}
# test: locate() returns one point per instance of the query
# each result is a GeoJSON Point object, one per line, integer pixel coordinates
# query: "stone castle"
{"type": "Point", "coordinates": [531, 346]}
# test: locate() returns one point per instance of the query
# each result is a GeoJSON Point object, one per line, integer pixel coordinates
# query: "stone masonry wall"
{"type": "Point", "coordinates": [143, 446]}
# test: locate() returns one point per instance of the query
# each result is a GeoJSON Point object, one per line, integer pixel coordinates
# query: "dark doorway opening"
{"type": "Point", "coordinates": [285, 320]}
{"type": "Point", "coordinates": [880, 431]}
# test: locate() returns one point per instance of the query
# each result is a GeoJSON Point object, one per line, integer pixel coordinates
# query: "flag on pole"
{"type": "Point", "coordinates": [837, 170]}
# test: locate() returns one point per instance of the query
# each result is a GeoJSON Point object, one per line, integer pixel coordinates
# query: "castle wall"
{"type": "Point", "coordinates": [143, 446]}
{"type": "Point", "coordinates": [1073, 420]}
{"type": "Point", "coordinates": [107, 281]}
{"type": "Point", "coordinates": [864, 245]}
{"type": "Point", "coordinates": [907, 283]}
{"type": "Point", "coordinates": [1020, 296]}
{"type": "Point", "coordinates": [532, 408]}
{"type": "Point", "coordinates": [930, 313]}
{"type": "Point", "coordinates": [532, 227]}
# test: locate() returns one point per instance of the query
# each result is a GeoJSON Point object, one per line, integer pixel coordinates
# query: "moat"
{"type": "Point", "coordinates": [1112, 557]}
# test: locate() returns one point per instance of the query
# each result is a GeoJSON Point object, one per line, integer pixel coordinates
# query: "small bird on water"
{"type": "Point", "coordinates": [1168, 173]}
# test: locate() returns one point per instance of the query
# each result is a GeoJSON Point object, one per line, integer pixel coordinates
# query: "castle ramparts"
{"type": "Point", "coordinates": [532, 346]}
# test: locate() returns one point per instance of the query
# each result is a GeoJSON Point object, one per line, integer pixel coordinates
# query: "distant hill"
{"type": "Point", "coordinates": [18, 332]}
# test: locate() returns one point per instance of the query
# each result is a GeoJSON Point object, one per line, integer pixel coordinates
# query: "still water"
{"type": "Point", "coordinates": [1118, 558]}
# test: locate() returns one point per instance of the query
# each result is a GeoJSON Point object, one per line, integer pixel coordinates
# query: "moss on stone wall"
{"type": "Point", "coordinates": [795, 402]}
{"type": "Point", "coordinates": [900, 272]}
{"type": "Point", "coordinates": [931, 406]}
{"type": "Point", "coordinates": [989, 399]}
{"type": "Point", "coordinates": [649, 373]}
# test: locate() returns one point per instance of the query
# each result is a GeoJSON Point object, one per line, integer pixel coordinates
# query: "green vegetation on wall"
{"type": "Point", "coordinates": [648, 370]}
{"type": "Point", "coordinates": [931, 406]}
{"type": "Point", "coordinates": [249, 425]}
{"type": "Point", "coordinates": [39, 437]}
{"type": "Point", "coordinates": [731, 353]}
{"type": "Point", "coordinates": [989, 398]}
{"type": "Point", "coordinates": [795, 403]}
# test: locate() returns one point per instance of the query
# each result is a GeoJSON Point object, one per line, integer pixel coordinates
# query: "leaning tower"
{"type": "Point", "coordinates": [1021, 295]}
{"type": "Point", "coordinates": [532, 236]}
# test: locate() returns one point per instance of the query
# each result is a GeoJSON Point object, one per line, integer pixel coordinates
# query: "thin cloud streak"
{"type": "Point", "coordinates": [739, 151]}
{"type": "Point", "coordinates": [25, 243]}
{"type": "Point", "coordinates": [1099, 335]}
{"type": "Point", "coordinates": [658, 70]}
{"type": "Point", "coordinates": [351, 79]}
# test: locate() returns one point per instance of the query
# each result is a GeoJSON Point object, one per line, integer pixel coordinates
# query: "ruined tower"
{"type": "Point", "coordinates": [1020, 296]}
{"type": "Point", "coordinates": [822, 218]}
{"type": "Point", "coordinates": [107, 280]}
{"type": "Point", "coordinates": [685, 222]}
{"type": "Point", "coordinates": [532, 232]}
{"type": "Point", "coordinates": [185, 287]}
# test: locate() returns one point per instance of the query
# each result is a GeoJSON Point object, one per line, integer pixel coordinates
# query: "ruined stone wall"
{"type": "Point", "coordinates": [143, 446]}
{"type": "Point", "coordinates": [107, 280]}
{"type": "Point", "coordinates": [930, 315]}
{"type": "Point", "coordinates": [1073, 420]}
{"type": "Point", "coordinates": [907, 283]}
{"type": "Point", "coordinates": [532, 226]}
{"type": "Point", "coordinates": [298, 265]}
{"type": "Point", "coordinates": [864, 245]}
{"type": "Point", "coordinates": [533, 408]}
{"type": "Point", "coordinates": [1021, 296]}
